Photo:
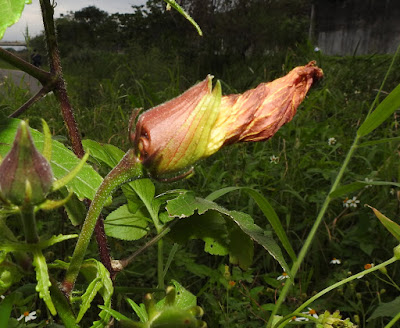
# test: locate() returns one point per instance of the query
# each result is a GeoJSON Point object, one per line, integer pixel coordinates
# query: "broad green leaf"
{"type": "Point", "coordinates": [105, 153]}
{"type": "Point", "coordinates": [241, 247]}
{"type": "Point", "coordinates": [186, 205]}
{"type": "Point", "coordinates": [62, 162]}
{"type": "Point", "coordinates": [42, 278]}
{"type": "Point", "coordinates": [10, 13]}
{"type": "Point", "coordinates": [389, 309]}
{"type": "Point", "coordinates": [145, 190]}
{"type": "Point", "coordinates": [184, 299]}
{"type": "Point", "coordinates": [267, 210]}
{"type": "Point", "coordinates": [391, 226]}
{"type": "Point", "coordinates": [381, 113]}
{"type": "Point", "coordinates": [122, 224]}
{"type": "Point", "coordinates": [94, 270]}
{"type": "Point", "coordinates": [6, 306]}
{"type": "Point", "coordinates": [10, 274]}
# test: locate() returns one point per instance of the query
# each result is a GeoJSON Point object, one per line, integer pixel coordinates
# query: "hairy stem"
{"type": "Point", "coordinates": [39, 74]}
{"type": "Point", "coordinates": [127, 169]}
{"type": "Point", "coordinates": [29, 223]}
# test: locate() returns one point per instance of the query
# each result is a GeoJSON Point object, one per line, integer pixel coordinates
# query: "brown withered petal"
{"type": "Point", "coordinates": [257, 114]}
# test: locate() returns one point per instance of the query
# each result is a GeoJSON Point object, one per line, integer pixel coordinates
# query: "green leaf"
{"type": "Point", "coordinates": [391, 226]}
{"type": "Point", "coordinates": [95, 271]}
{"type": "Point", "coordinates": [6, 306]}
{"type": "Point", "coordinates": [186, 205]}
{"type": "Point", "coordinates": [115, 314]}
{"type": "Point", "coordinates": [184, 299]}
{"type": "Point", "coordinates": [139, 310]}
{"type": "Point", "coordinates": [381, 113]}
{"type": "Point", "coordinates": [377, 142]}
{"type": "Point", "coordinates": [105, 153]}
{"type": "Point", "coordinates": [346, 189]}
{"type": "Point", "coordinates": [267, 210]}
{"type": "Point", "coordinates": [122, 224]}
{"type": "Point", "coordinates": [62, 162]}
{"type": "Point", "coordinates": [87, 298]}
{"type": "Point", "coordinates": [241, 248]}
{"type": "Point", "coordinates": [389, 309]}
{"type": "Point", "coordinates": [10, 13]}
{"type": "Point", "coordinates": [42, 278]}
{"type": "Point", "coordinates": [63, 307]}
{"type": "Point", "coordinates": [177, 7]}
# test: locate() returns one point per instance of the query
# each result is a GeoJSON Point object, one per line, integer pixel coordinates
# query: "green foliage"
{"type": "Point", "coordinates": [10, 13]}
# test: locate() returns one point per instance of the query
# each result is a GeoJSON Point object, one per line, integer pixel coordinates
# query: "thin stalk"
{"type": "Point", "coordinates": [393, 321]}
{"type": "Point", "coordinates": [39, 74]}
{"type": "Point", "coordinates": [310, 237]}
{"type": "Point", "coordinates": [281, 323]}
{"type": "Point", "coordinates": [127, 169]}
{"type": "Point", "coordinates": [119, 265]}
{"type": "Point", "coordinates": [160, 263]}
{"type": "Point", "coordinates": [29, 223]}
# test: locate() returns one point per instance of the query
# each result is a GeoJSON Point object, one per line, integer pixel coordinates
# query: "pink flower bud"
{"type": "Point", "coordinates": [25, 175]}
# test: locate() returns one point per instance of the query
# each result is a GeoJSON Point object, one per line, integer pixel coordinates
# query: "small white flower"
{"type": "Point", "coordinates": [298, 319]}
{"type": "Point", "coordinates": [316, 49]}
{"type": "Point", "coordinates": [356, 92]}
{"type": "Point", "coordinates": [367, 267]}
{"type": "Point", "coordinates": [332, 141]}
{"type": "Point", "coordinates": [2, 297]}
{"type": "Point", "coordinates": [274, 159]}
{"type": "Point", "coordinates": [283, 276]}
{"type": "Point", "coordinates": [335, 261]}
{"type": "Point", "coordinates": [346, 202]}
{"type": "Point", "coordinates": [392, 191]}
{"type": "Point", "coordinates": [311, 312]}
{"type": "Point", "coordinates": [28, 316]}
{"type": "Point", "coordinates": [368, 180]}
{"type": "Point", "coordinates": [353, 202]}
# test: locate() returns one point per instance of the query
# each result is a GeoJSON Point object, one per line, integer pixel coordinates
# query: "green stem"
{"type": "Point", "coordinates": [160, 263]}
{"type": "Point", "coordinates": [310, 237]}
{"type": "Point", "coordinates": [393, 321]}
{"type": "Point", "coordinates": [127, 169]}
{"type": "Point", "coordinates": [282, 322]}
{"type": "Point", "coordinates": [29, 223]}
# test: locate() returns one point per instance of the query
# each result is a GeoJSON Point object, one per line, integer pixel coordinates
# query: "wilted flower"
{"type": "Point", "coordinates": [24, 170]}
{"type": "Point", "coordinates": [174, 135]}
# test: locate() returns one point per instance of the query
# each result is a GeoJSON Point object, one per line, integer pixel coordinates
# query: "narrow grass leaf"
{"type": "Point", "coordinates": [381, 113]}
{"type": "Point", "coordinates": [391, 226]}
{"type": "Point", "coordinates": [346, 189]}
{"type": "Point", "coordinates": [377, 142]}
{"type": "Point", "coordinates": [180, 10]}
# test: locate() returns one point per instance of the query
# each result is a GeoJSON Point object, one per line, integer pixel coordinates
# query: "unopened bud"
{"type": "Point", "coordinates": [25, 175]}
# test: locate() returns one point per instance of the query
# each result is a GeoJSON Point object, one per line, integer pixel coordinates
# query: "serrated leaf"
{"type": "Point", "coordinates": [42, 278]}
{"type": "Point", "coordinates": [94, 270]}
{"type": "Point", "coordinates": [10, 13]}
{"type": "Point", "coordinates": [267, 210]}
{"type": "Point", "coordinates": [391, 226]}
{"type": "Point", "coordinates": [389, 309]}
{"type": "Point", "coordinates": [62, 162]}
{"type": "Point", "coordinates": [381, 113]}
{"type": "Point", "coordinates": [105, 153]}
{"type": "Point", "coordinates": [122, 224]}
{"type": "Point", "coordinates": [186, 205]}
{"type": "Point", "coordinates": [87, 298]}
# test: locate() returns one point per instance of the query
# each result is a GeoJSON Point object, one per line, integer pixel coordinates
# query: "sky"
{"type": "Point", "coordinates": [31, 16]}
